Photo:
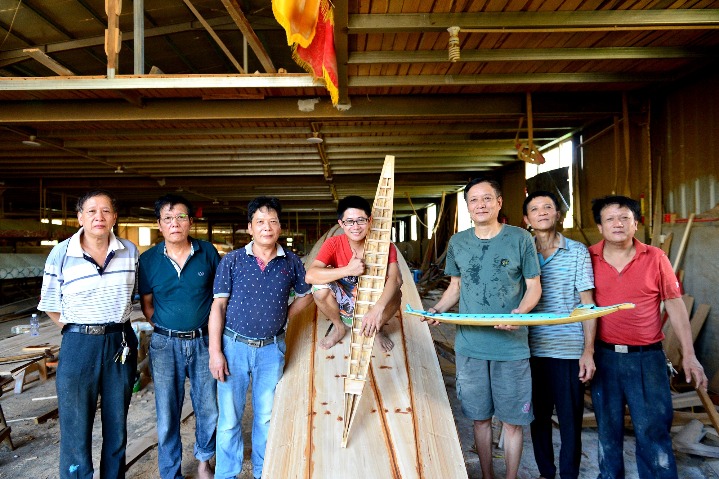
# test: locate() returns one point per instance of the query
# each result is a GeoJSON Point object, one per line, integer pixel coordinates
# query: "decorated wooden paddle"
{"type": "Point", "coordinates": [580, 313]}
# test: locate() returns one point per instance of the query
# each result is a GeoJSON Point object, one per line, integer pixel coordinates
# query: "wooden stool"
{"type": "Point", "coordinates": [4, 428]}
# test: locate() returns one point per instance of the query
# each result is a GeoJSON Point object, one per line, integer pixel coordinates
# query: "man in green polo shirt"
{"type": "Point", "coordinates": [176, 279]}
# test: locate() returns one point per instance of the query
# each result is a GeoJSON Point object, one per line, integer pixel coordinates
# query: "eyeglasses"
{"type": "Point", "coordinates": [181, 218]}
{"type": "Point", "coordinates": [352, 222]}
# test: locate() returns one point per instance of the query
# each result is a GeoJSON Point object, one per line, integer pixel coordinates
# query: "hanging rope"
{"type": "Point", "coordinates": [439, 214]}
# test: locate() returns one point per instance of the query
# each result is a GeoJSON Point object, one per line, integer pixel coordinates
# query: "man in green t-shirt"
{"type": "Point", "coordinates": [493, 269]}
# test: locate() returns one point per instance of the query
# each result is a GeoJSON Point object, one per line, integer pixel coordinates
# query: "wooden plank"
{"type": "Point", "coordinates": [439, 448]}
{"type": "Point", "coordinates": [698, 320]}
{"type": "Point", "coordinates": [45, 417]}
{"type": "Point", "coordinates": [49, 62]}
{"type": "Point", "coordinates": [682, 246]}
{"type": "Point", "coordinates": [233, 8]}
{"type": "Point", "coordinates": [710, 408]}
{"type": "Point", "coordinates": [657, 214]}
{"type": "Point", "coordinates": [23, 357]}
{"type": "Point", "coordinates": [686, 399]}
{"type": "Point", "coordinates": [667, 244]}
{"type": "Point", "coordinates": [530, 319]}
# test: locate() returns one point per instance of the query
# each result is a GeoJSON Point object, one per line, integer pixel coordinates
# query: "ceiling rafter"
{"type": "Point", "coordinates": [100, 40]}
{"type": "Point", "coordinates": [214, 36]}
{"type": "Point", "coordinates": [233, 8]}
{"type": "Point", "coordinates": [599, 20]}
{"type": "Point", "coordinates": [533, 54]}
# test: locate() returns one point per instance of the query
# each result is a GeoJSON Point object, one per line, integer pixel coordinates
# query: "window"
{"type": "Point", "coordinates": [413, 227]}
{"type": "Point", "coordinates": [431, 219]}
{"type": "Point", "coordinates": [401, 227]}
{"type": "Point", "coordinates": [145, 238]}
{"type": "Point", "coordinates": [558, 157]}
{"type": "Point", "coordinates": [54, 221]}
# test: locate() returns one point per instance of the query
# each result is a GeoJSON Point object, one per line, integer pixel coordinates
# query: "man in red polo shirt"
{"type": "Point", "coordinates": [631, 365]}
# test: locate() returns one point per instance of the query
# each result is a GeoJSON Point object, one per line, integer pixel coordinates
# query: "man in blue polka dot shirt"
{"type": "Point", "coordinates": [247, 332]}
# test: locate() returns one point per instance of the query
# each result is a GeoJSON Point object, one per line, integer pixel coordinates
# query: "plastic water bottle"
{"type": "Point", "coordinates": [34, 325]}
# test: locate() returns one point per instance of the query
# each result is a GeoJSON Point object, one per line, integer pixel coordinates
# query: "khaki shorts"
{"type": "Point", "coordinates": [489, 388]}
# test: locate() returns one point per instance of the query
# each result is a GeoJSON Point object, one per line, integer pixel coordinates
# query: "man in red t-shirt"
{"type": "Point", "coordinates": [334, 274]}
{"type": "Point", "coordinates": [631, 365]}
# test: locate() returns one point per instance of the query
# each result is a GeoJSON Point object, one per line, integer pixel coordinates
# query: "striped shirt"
{"type": "Point", "coordinates": [564, 274]}
{"type": "Point", "coordinates": [85, 293]}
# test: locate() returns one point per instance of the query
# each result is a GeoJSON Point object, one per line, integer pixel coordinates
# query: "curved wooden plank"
{"type": "Point", "coordinates": [531, 319]}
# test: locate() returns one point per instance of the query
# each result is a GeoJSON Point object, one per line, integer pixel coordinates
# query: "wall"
{"type": "Point", "coordinates": [701, 277]}
{"type": "Point", "coordinates": [686, 129]}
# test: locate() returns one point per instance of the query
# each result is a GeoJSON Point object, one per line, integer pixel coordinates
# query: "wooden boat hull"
{"type": "Point", "coordinates": [533, 319]}
{"type": "Point", "coordinates": [404, 426]}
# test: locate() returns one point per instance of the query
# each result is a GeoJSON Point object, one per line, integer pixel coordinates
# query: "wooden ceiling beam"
{"type": "Point", "coordinates": [181, 82]}
{"type": "Point", "coordinates": [532, 54]}
{"type": "Point", "coordinates": [341, 18]}
{"type": "Point", "coordinates": [127, 183]}
{"type": "Point", "coordinates": [600, 20]}
{"type": "Point", "coordinates": [507, 126]}
{"type": "Point", "coordinates": [300, 80]}
{"type": "Point", "coordinates": [175, 132]}
{"type": "Point", "coordinates": [182, 142]}
{"type": "Point", "coordinates": [566, 106]}
{"type": "Point", "coordinates": [48, 62]}
{"type": "Point", "coordinates": [256, 153]}
{"type": "Point", "coordinates": [235, 11]}
{"type": "Point", "coordinates": [504, 79]}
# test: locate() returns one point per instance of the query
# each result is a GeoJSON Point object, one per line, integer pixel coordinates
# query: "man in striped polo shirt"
{"type": "Point", "coordinates": [87, 290]}
{"type": "Point", "coordinates": [562, 355]}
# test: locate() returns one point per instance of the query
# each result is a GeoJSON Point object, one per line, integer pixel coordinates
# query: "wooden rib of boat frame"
{"type": "Point", "coordinates": [369, 288]}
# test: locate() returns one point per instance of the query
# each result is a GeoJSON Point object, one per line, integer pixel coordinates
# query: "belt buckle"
{"type": "Point", "coordinates": [95, 329]}
{"type": "Point", "coordinates": [255, 343]}
{"type": "Point", "coordinates": [186, 335]}
{"type": "Point", "coordinates": [621, 348]}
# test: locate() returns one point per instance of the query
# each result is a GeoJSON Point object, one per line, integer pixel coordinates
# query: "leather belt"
{"type": "Point", "coordinates": [95, 329]}
{"type": "Point", "coordinates": [197, 333]}
{"type": "Point", "coordinates": [253, 343]}
{"type": "Point", "coordinates": [625, 348]}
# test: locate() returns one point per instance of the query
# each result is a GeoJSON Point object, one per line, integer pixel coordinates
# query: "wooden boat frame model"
{"type": "Point", "coordinates": [582, 312]}
{"type": "Point", "coordinates": [370, 286]}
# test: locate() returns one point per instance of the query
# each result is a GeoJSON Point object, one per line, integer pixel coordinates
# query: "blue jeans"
{"type": "Point", "coordinates": [172, 360]}
{"type": "Point", "coordinates": [639, 380]}
{"type": "Point", "coordinates": [86, 369]}
{"type": "Point", "coordinates": [263, 367]}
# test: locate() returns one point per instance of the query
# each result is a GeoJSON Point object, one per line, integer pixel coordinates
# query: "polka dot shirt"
{"type": "Point", "coordinates": [257, 305]}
